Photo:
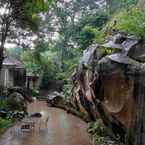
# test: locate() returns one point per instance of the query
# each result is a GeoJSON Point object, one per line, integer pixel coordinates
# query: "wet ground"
{"type": "Point", "coordinates": [55, 127]}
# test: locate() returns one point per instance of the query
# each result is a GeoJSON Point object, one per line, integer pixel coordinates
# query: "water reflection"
{"type": "Point", "coordinates": [61, 129]}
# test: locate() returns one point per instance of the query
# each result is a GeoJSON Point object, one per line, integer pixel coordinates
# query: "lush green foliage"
{"type": "Point", "coordinates": [89, 36]}
{"type": "Point", "coordinates": [43, 61]}
{"type": "Point", "coordinates": [74, 26]}
{"type": "Point", "coordinates": [57, 58]}
{"type": "Point", "coordinates": [131, 22]}
{"type": "Point", "coordinates": [97, 20]}
{"type": "Point", "coordinates": [88, 29]}
{"type": "Point", "coordinates": [4, 124]}
{"type": "Point", "coordinates": [9, 105]}
{"type": "Point", "coordinates": [3, 104]}
{"type": "Point", "coordinates": [98, 128]}
{"type": "Point", "coordinates": [99, 132]}
{"type": "Point", "coordinates": [14, 52]}
{"type": "Point", "coordinates": [34, 7]}
{"type": "Point", "coordinates": [31, 66]}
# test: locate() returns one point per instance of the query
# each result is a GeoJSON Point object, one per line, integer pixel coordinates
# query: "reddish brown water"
{"type": "Point", "coordinates": [61, 129]}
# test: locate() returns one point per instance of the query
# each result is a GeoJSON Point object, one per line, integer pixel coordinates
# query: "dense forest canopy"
{"type": "Point", "coordinates": [59, 31]}
{"type": "Point", "coordinates": [16, 14]}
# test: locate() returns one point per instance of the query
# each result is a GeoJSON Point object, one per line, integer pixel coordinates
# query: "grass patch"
{"type": "Point", "coordinates": [100, 134]}
{"type": "Point", "coordinates": [4, 124]}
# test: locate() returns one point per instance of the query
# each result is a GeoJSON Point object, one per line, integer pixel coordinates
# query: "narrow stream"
{"type": "Point", "coordinates": [61, 129]}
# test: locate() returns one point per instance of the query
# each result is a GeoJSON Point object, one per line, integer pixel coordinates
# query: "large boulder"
{"type": "Point", "coordinates": [16, 102]}
{"type": "Point", "coordinates": [112, 87]}
{"type": "Point", "coordinates": [55, 98]}
{"type": "Point", "coordinates": [26, 93]}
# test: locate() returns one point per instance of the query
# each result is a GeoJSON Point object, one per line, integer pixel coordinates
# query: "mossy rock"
{"type": "Point", "coordinates": [16, 102]}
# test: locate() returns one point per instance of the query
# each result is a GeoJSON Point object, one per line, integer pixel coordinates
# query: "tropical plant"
{"type": "Point", "coordinates": [89, 36]}
{"type": "Point", "coordinates": [4, 124]}
{"type": "Point", "coordinates": [18, 14]}
{"type": "Point", "coordinates": [131, 22]}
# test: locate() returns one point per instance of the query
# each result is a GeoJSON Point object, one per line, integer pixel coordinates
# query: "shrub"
{"type": "Point", "coordinates": [90, 35]}
{"type": "Point", "coordinates": [99, 132]}
{"type": "Point", "coordinates": [35, 93]}
{"type": "Point", "coordinates": [3, 104]}
{"type": "Point", "coordinates": [131, 22]}
{"type": "Point", "coordinates": [4, 124]}
{"type": "Point", "coordinates": [98, 128]}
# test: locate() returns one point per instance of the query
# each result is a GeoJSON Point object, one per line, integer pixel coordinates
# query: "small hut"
{"type": "Point", "coordinates": [12, 73]}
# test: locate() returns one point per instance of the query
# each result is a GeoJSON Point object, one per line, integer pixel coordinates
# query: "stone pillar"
{"type": "Point", "coordinates": [6, 78]}
{"type": "Point", "coordinates": [140, 115]}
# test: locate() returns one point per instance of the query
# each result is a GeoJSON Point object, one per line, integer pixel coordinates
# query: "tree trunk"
{"type": "Point", "coordinates": [141, 4]}
{"type": "Point", "coordinates": [1, 58]}
{"type": "Point", "coordinates": [5, 29]}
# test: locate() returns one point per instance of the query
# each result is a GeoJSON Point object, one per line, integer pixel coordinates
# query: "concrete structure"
{"type": "Point", "coordinates": [33, 81]}
{"type": "Point", "coordinates": [13, 73]}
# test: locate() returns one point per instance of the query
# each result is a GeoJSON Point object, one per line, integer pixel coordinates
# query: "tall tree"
{"type": "Point", "coordinates": [18, 14]}
{"type": "Point", "coordinates": [62, 21]}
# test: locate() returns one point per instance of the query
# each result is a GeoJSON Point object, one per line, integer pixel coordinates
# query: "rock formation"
{"type": "Point", "coordinates": [112, 86]}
